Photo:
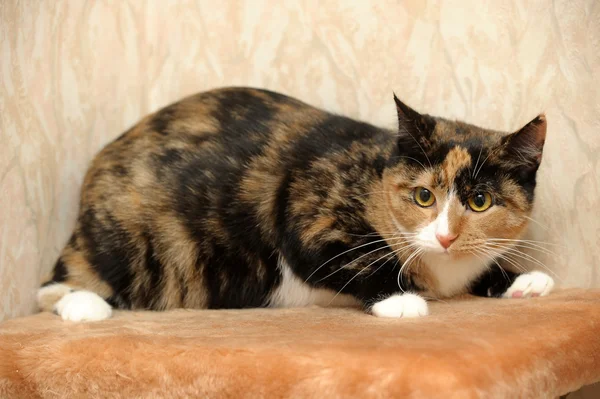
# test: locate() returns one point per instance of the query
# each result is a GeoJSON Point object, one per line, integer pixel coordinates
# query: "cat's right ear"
{"type": "Point", "coordinates": [410, 121]}
{"type": "Point", "coordinates": [524, 148]}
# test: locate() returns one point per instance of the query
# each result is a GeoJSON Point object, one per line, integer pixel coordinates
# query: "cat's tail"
{"type": "Point", "coordinates": [64, 294]}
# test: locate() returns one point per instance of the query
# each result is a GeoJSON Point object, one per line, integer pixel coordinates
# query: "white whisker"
{"type": "Point", "coordinates": [538, 223]}
{"type": "Point", "coordinates": [414, 159]}
{"type": "Point", "coordinates": [511, 251]}
{"type": "Point", "coordinates": [483, 163]}
{"type": "Point", "coordinates": [422, 150]}
{"type": "Point", "coordinates": [528, 241]}
{"type": "Point", "coordinates": [493, 260]}
{"type": "Point", "coordinates": [525, 245]}
{"type": "Point", "coordinates": [406, 265]}
{"type": "Point", "coordinates": [476, 163]}
{"type": "Point", "coordinates": [390, 255]}
{"type": "Point", "coordinates": [345, 252]}
{"type": "Point", "coordinates": [359, 258]}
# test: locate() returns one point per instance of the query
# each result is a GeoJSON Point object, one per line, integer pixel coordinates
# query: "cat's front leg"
{"type": "Point", "coordinates": [530, 285]}
{"type": "Point", "coordinates": [387, 300]}
{"type": "Point", "coordinates": [401, 305]}
{"type": "Point", "coordinates": [501, 283]}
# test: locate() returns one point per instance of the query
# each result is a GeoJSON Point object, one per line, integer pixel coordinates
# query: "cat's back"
{"type": "Point", "coordinates": [200, 140]}
{"type": "Point", "coordinates": [206, 142]}
{"type": "Point", "coordinates": [222, 120]}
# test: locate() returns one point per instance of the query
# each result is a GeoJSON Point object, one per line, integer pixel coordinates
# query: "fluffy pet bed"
{"type": "Point", "coordinates": [539, 347]}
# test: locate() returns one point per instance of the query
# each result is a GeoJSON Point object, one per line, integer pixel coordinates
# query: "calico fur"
{"type": "Point", "coordinates": [237, 197]}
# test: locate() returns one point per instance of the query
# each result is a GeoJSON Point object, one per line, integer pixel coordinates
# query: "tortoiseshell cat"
{"type": "Point", "coordinates": [242, 197]}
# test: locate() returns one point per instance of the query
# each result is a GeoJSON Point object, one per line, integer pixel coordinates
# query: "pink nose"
{"type": "Point", "coordinates": [446, 240]}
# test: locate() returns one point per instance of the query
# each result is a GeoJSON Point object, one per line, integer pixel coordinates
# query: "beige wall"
{"type": "Point", "coordinates": [74, 74]}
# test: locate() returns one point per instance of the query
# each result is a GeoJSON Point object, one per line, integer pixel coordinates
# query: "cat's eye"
{"type": "Point", "coordinates": [424, 197]}
{"type": "Point", "coordinates": [480, 202]}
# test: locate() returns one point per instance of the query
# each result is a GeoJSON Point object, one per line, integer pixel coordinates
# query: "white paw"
{"type": "Point", "coordinates": [401, 305]}
{"type": "Point", "coordinates": [83, 306]}
{"type": "Point", "coordinates": [530, 284]}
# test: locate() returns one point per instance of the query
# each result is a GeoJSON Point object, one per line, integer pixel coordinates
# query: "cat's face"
{"type": "Point", "coordinates": [455, 190]}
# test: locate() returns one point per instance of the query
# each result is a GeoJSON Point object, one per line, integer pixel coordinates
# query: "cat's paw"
{"type": "Point", "coordinates": [83, 306]}
{"type": "Point", "coordinates": [401, 305]}
{"type": "Point", "coordinates": [530, 285]}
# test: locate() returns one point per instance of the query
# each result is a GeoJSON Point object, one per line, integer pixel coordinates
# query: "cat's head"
{"type": "Point", "coordinates": [459, 191]}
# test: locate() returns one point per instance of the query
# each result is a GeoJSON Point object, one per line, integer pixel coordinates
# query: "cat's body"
{"type": "Point", "coordinates": [246, 198]}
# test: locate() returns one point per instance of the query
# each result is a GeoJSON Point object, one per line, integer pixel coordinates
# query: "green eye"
{"type": "Point", "coordinates": [424, 197]}
{"type": "Point", "coordinates": [480, 202]}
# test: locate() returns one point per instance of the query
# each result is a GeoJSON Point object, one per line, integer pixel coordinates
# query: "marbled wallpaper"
{"type": "Point", "coordinates": [75, 74]}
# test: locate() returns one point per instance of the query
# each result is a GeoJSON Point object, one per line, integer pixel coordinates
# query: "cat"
{"type": "Point", "coordinates": [240, 197]}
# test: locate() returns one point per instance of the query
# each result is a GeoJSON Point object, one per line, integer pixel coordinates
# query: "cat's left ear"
{"type": "Point", "coordinates": [410, 121]}
{"type": "Point", "coordinates": [526, 145]}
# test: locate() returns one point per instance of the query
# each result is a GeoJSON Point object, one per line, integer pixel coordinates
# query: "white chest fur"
{"type": "Point", "coordinates": [453, 276]}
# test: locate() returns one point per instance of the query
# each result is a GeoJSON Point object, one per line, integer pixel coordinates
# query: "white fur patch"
{"type": "Point", "coordinates": [443, 222]}
{"type": "Point", "coordinates": [401, 305]}
{"type": "Point", "coordinates": [453, 275]}
{"type": "Point", "coordinates": [530, 284]}
{"type": "Point", "coordinates": [83, 306]}
{"type": "Point", "coordinates": [47, 296]}
{"type": "Point", "coordinates": [293, 292]}
{"type": "Point", "coordinates": [427, 236]}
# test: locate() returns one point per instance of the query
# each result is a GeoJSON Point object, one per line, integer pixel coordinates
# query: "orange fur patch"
{"type": "Point", "coordinates": [457, 159]}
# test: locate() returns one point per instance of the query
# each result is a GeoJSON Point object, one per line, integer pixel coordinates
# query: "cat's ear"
{"type": "Point", "coordinates": [412, 122]}
{"type": "Point", "coordinates": [525, 146]}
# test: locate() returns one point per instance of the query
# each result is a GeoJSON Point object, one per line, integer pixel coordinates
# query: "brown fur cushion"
{"type": "Point", "coordinates": [538, 347]}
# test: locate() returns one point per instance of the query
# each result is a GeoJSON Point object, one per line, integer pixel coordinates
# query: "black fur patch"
{"type": "Point", "coordinates": [60, 272]}
{"type": "Point", "coordinates": [493, 283]}
{"type": "Point", "coordinates": [109, 251]}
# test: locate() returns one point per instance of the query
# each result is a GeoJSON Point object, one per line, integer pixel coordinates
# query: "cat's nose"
{"type": "Point", "coordinates": [446, 239]}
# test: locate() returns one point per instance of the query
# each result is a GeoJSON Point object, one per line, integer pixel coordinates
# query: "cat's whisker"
{"type": "Point", "coordinates": [508, 255]}
{"type": "Point", "coordinates": [369, 193]}
{"type": "Point", "coordinates": [376, 270]}
{"type": "Point", "coordinates": [390, 246]}
{"type": "Point", "coordinates": [476, 163]}
{"type": "Point", "coordinates": [344, 266]}
{"type": "Point", "coordinates": [491, 259]}
{"type": "Point", "coordinates": [504, 256]}
{"type": "Point", "coordinates": [400, 251]}
{"type": "Point", "coordinates": [419, 252]}
{"type": "Point", "coordinates": [360, 271]}
{"type": "Point", "coordinates": [483, 163]}
{"type": "Point", "coordinates": [393, 234]}
{"type": "Point", "coordinates": [515, 248]}
{"type": "Point", "coordinates": [416, 141]}
{"type": "Point", "coordinates": [511, 251]}
{"type": "Point", "coordinates": [495, 253]}
{"type": "Point", "coordinates": [414, 159]}
{"type": "Point", "coordinates": [525, 245]}
{"type": "Point", "coordinates": [512, 262]}
{"type": "Point", "coordinates": [345, 252]}
{"type": "Point", "coordinates": [528, 241]}
{"type": "Point", "coordinates": [526, 257]}
{"type": "Point", "coordinates": [538, 223]}
{"type": "Point", "coordinates": [419, 265]}
{"type": "Point", "coordinates": [406, 265]}
{"type": "Point", "coordinates": [538, 249]}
